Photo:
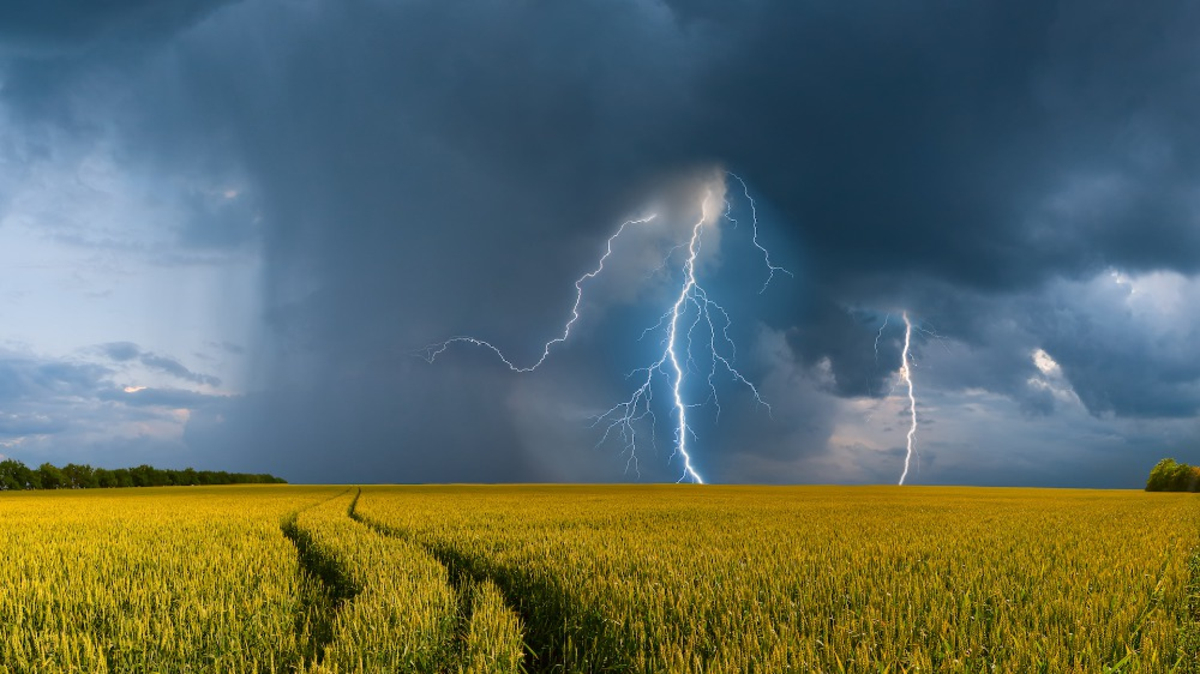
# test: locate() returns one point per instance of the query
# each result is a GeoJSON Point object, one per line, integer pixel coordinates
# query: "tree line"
{"type": "Point", "coordinates": [16, 475]}
{"type": "Point", "coordinates": [1170, 475]}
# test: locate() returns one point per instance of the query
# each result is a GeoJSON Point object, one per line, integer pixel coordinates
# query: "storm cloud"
{"type": "Point", "coordinates": [405, 171]}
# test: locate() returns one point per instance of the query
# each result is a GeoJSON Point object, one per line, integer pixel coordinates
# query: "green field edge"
{"type": "Point", "coordinates": [326, 587]}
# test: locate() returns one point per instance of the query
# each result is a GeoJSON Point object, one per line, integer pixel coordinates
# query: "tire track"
{"type": "Point", "coordinates": [558, 637]}
{"type": "Point", "coordinates": [324, 587]}
{"type": "Point", "coordinates": [462, 582]}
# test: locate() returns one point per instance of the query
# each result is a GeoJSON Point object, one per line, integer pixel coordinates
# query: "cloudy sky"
{"type": "Point", "coordinates": [228, 228]}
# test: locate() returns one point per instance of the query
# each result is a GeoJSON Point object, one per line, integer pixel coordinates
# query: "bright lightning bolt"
{"type": "Point", "coordinates": [692, 297]}
{"type": "Point", "coordinates": [689, 285]}
{"type": "Point", "coordinates": [692, 315]}
{"type": "Point", "coordinates": [906, 374]}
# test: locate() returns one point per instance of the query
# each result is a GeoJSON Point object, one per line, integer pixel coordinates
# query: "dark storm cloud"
{"type": "Point", "coordinates": [991, 144]}
{"type": "Point", "coordinates": [58, 57]}
{"type": "Point", "coordinates": [218, 221]}
{"type": "Point", "coordinates": [1125, 352]}
{"type": "Point", "coordinates": [357, 426]}
{"type": "Point", "coordinates": [1120, 360]}
{"type": "Point", "coordinates": [51, 27]}
{"type": "Point", "coordinates": [424, 169]}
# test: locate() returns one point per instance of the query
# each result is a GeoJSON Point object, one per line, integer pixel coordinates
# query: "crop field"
{"type": "Point", "coordinates": [598, 579]}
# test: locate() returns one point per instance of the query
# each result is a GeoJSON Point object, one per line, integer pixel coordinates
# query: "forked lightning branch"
{"type": "Point", "coordinates": [695, 340]}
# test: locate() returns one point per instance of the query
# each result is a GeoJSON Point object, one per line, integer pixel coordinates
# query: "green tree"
{"type": "Point", "coordinates": [105, 478]}
{"type": "Point", "coordinates": [80, 476]}
{"type": "Point", "coordinates": [148, 476]}
{"type": "Point", "coordinates": [1180, 477]}
{"type": "Point", "coordinates": [15, 475]}
{"type": "Point", "coordinates": [50, 477]}
{"type": "Point", "coordinates": [1160, 475]}
{"type": "Point", "coordinates": [12, 474]}
{"type": "Point", "coordinates": [1170, 475]}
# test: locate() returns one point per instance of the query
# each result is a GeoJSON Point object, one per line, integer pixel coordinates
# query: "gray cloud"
{"type": "Point", "coordinates": [53, 27]}
{"type": "Point", "coordinates": [23, 378]}
{"type": "Point", "coordinates": [61, 410]}
{"type": "Point", "coordinates": [30, 424]}
{"type": "Point", "coordinates": [124, 352]}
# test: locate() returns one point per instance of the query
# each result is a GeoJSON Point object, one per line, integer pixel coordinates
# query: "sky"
{"type": "Point", "coordinates": [229, 228]}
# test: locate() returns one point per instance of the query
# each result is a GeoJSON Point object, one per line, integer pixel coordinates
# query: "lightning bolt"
{"type": "Point", "coordinates": [692, 299]}
{"type": "Point", "coordinates": [430, 353]}
{"type": "Point", "coordinates": [906, 375]}
{"type": "Point", "coordinates": [692, 316]}
{"type": "Point", "coordinates": [879, 335]}
{"type": "Point", "coordinates": [771, 268]}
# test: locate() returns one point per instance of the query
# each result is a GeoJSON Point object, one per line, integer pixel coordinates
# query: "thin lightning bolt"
{"type": "Point", "coordinates": [906, 374]}
{"type": "Point", "coordinates": [754, 223]}
{"type": "Point", "coordinates": [692, 316]}
{"type": "Point", "coordinates": [433, 351]}
{"type": "Point", "coordinates": [878, 335]}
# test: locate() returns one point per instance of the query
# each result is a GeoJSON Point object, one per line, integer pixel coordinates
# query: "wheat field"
{"type": "Point", "coordinates": [475, 579]}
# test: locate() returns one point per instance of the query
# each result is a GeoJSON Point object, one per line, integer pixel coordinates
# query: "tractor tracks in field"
{"type": "Point", "coordinates": [557, 634]}
{"type": "Point", "coordinates": [555, 630]}
{"type": "Point", "coordinates": [325, 587]}
{"type": "Point", "coordinates": [461, 580]}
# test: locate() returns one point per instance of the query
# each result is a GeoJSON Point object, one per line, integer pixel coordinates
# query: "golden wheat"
{"type": "Point", "coordinates": [710, 579]}
{"type": "Point", "coordinates": [493, 580]}
{"type": "Point", "coordinates": [184, 580]}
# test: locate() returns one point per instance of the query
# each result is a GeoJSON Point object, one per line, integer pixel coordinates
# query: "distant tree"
{"type": "Point", "coordinates": [1158, 475]}
{"type": "Point", "coordinates": [149, 476]}
{"type": "Point", "coordinates": [1170, 475]}
{"type": "Point", "coordinates": [1181, 478]}
{"type": "Point", "coordinates": [16, 475]}
{"type": "Point", "coordinates": [79, 476]}
{"type": "Point", "coordinates": [12, 474]}
{"type": "Point", "coordinates": [105, 478]}
{"type": "Point", "coordinates": [50, 477]}
{"type": "Point", "coordinates": [27, 477]}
